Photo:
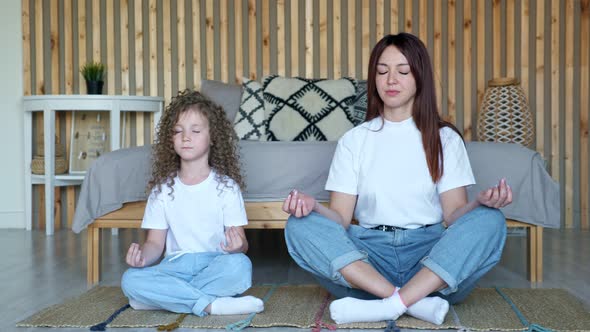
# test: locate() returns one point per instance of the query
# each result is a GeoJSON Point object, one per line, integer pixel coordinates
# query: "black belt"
{"type": "Point", "coordinates": [387, 228]}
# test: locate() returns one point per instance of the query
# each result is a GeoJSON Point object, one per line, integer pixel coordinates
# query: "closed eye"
{"type": "Point", "coordinates": [381, 73]}
{"type": "Point", "coordinates": [404, 73]}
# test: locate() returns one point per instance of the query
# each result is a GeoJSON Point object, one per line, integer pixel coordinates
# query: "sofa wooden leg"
{"type": "Point", "coordinates": [532, 246]}
{"type": "Point", "coordinates": [89, 255]}
{"type": "Point", "coordinates": [92, 264]}
{"type": "Point", "coordinates": [539, 250]}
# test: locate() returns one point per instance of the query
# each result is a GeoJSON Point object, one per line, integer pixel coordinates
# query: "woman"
{"type": "Point", "coordinates": [402, 174]}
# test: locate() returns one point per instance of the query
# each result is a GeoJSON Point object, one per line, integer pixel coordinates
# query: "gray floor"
{"type": "Point", "coordinates": [38, 271]}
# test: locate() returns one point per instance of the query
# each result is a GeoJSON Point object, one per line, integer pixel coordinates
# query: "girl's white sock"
{"type": "Point", "coordinates": [350, 310]}
{"type": "Point", "coordinates": [140, 306]}
{"type": "Point", "coordinates": [430, 309]}
{"type": "Point", "coordinates": [236, 305]}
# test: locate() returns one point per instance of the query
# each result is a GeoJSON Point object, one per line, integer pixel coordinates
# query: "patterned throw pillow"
{"type": "Point", "coordinates": [249, 122]}
{"type": "Point", "coordinates": [358, 108]}
{"type": "Point", "coordinates": [299, 109]}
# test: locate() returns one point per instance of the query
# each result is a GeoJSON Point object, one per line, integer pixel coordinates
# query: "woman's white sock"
{"type": "Point", "coordinates": [236, 305]}
{"type": "Point", "coordinates": [350, 310]}
{"type": "Point", "coordinates": [430, 309]}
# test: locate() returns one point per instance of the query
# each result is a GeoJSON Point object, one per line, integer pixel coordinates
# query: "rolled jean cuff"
{"type": "Point", "coordinates": [343, 260]}
{"type": "Point", "coordinates": [441, 273]}
{"type": "Point", "coordinates": [201, 304]}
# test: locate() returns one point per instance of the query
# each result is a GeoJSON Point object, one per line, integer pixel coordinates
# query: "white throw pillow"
{"type": "Point", "coordinates": [300, 109]}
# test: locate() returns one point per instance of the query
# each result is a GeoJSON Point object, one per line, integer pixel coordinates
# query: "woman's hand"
{"type": "Point", "coordinates": [235, 241]}
{"type": "Point", "coordinates": [134, 256]}
{"type": "Point", "coordinates": [496, 197]}
{"type": "Point", "coordinates": [299, 204]}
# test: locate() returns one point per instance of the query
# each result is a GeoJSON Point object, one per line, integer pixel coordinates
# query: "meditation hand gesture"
{"type": "Point", "coordinates": [134, 256]}
{"type": "Point", "coordinates": [496, 197]}
{"type": "Point", "coordinates": [299, 204]}
{"type": "Point", "coordinates": [234, 241]}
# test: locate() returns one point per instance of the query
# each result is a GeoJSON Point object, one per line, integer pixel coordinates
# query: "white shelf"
{"type": "Point", "coordinates": [60, 179]}
{"type": "Point", "coordinates": [49, 104]}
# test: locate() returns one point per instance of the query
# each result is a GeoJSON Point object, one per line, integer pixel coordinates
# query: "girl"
{"type": "Point", "coordinates": [196, 211]}
{"type": "Point", "coordinates": [402, 174]}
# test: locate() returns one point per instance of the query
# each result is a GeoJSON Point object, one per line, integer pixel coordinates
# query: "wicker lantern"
{"type": "Point", "coordinates": [504, 114]}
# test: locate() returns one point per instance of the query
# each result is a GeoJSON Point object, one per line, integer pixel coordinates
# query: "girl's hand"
{"type": "Point", "coordinates": [134, 256]}
{"type": "Point", "coordinates": [234, 240]}
{"type": "Point", "coordinates": [299, 204]}
{"type": "Point", "coordinates": [496, 197]}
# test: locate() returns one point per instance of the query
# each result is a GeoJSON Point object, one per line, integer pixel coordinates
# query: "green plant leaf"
{"type": "Point", "coordinates": [93, 71]}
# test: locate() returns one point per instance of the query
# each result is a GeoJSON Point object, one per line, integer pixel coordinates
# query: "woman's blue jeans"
{"type": "Point", "coordinates": [460, 254]}
{"type": "Point", "coordinates": [189, 283]}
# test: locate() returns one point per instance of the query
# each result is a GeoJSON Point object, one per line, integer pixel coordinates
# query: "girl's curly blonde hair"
{"type": "Point", "coordinates": [223, 151]}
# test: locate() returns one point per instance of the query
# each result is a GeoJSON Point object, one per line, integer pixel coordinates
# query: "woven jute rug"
{"type": "Point", "coordinates": [306, 306]}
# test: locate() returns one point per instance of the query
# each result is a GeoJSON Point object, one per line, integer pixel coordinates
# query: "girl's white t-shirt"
{"type": "Point", "coordinates": [197, 215]}
{"type": "Point", "coordinates": [387, 170]}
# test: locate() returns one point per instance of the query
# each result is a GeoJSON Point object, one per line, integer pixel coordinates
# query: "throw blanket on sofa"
{"type": "Point", "coordinates": [272, 169]}
{"type": "Point", "coordinates": [535, 194]}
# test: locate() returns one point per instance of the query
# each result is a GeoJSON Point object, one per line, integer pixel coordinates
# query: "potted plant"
{"type": "Point", "coordinates": [93, 73]}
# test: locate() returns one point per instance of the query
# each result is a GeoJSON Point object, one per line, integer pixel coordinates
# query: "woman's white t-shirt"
{"type": "Point", "coordinates": [197, 215]}
{"type": "Point", "coordinates": [387, 170]}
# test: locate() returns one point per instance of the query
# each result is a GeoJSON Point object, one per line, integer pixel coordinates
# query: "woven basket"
{"type": "Point", "coordinates": [59, 149]}
{"type": "Point", "coordinates": [504, 114]}
{"type": "Point", "coordinates": [38, 165]}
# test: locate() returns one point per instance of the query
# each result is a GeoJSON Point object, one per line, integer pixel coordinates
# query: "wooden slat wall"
{"type": "Point", "coordinates": [584, 113]}
{"type": "Point", "coordinates": [155, 47]}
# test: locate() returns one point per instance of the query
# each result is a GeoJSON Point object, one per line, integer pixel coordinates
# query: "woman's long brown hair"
{"type": "Point", "coordinates": [424, 109]}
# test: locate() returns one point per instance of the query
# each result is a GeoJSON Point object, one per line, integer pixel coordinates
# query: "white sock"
{"type": "Point", "coordinates": [350, 310]}
{"type": "Point", "coordinates": [236, 305]}
{"type": "Point", "coordinates": [430, 309]}
{"type": "Point", "coordinates": [140, 306]}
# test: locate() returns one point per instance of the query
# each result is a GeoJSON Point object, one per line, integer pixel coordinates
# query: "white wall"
{"type": "Point", "coordinates": [12, 201]}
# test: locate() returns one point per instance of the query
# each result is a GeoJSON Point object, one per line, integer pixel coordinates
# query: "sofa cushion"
{"type": "Point", "coordinates": [358, 108]}
{"type": "Point", "coordinates": [300, 109]}
{"type": "Point", "coordinates": [223, 94]}
{"type": "Point", "coordinates": [249, 123]}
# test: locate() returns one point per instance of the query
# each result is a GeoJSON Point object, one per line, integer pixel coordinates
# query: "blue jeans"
{"type": "Point", "coordinates": [189, 283]}
{"type": "Point", "coordinates": [460, 255]}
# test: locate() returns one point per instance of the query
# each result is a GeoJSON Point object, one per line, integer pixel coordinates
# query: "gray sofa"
{"type": "Point", "coordinates": [272, 169]}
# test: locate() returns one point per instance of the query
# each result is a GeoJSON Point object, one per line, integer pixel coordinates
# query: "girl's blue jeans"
{"type": "Point", "coordinates": [460, 254]}
{"type": "Point", "coordinates": [189, 283]}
